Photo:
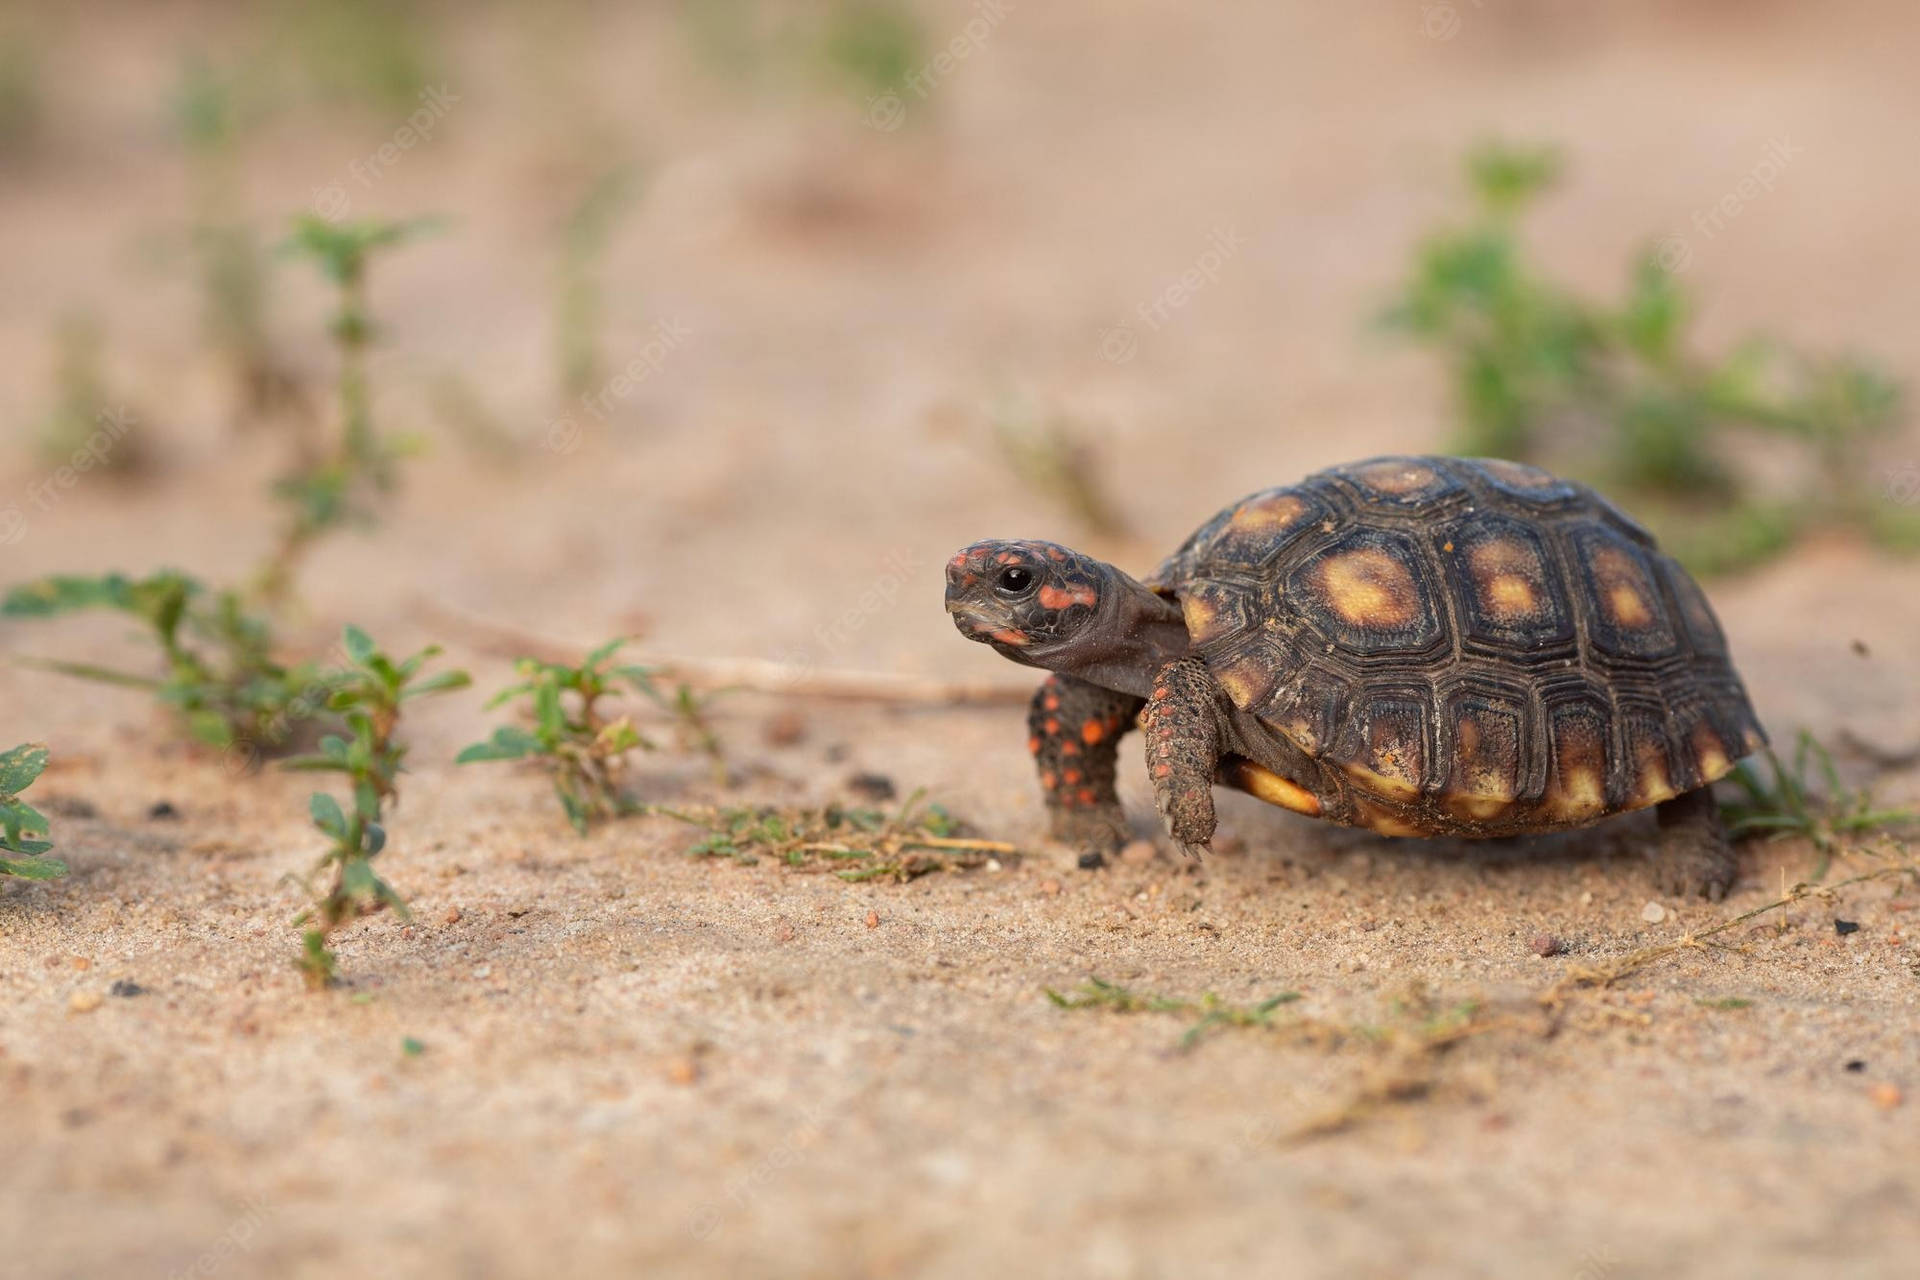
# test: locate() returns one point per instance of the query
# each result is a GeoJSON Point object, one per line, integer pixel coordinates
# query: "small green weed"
{"type": "Point", "coordinates": [582, 749]}
{"type": "Point", "coordinates": [1055, 459]}
{"type": "Point", "coordinates": [1787, 804]}
{"type": "Point", "coordinates": [1209, 1012]}
{"type": "Point", "coordinates": [339, 486]}
{"type": "Point", "coordinates": [856, 844]}
{"type": "Point", "coordinates": [369, 695]}
{"type": "Point", "coordinates": [219, 672]}
{"type": "Point", "coordinates": [1540, 372]}
{"type": "Point", "coordinates": [20, 822]}
{"type": "Point", "coordinates": [585, 236]}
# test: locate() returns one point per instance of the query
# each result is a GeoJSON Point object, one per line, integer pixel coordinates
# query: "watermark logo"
{"type": "Point", "coordinates": [888, 111]}
{"type": "Point", "coordinates": [1674, 251]}
{"type": "Point", "coordinates": [13, 524]}
{"type": "Point", "coordinates": [1903, 487]}
{"type": "Point", "coordinates": [1119, 343]}
{"type": "Point", "coordinates": [564, 435]}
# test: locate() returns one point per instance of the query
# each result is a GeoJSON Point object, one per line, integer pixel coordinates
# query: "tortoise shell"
{"type": "Point", "coordinates": [1464, 645]}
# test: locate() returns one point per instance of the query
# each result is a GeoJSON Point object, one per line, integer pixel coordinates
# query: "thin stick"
{"type": "Point", "coordinates": [753, 675]}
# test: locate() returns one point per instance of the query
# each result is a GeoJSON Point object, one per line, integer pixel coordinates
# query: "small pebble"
{"type": "Point", "coordinates": [163, 811]}
{"type": "Point", "coordinates": [1547, 945]}
{"type": "Point", "coordinates": [784, 933]}
{"type": "Point", "coordinates": [873, 919]}
{"type": "Point", "coordinates": [126, 988]}
{"type": "Point", "coordinates": [84, 1001]}
{"type": "Point", "coordinates": [1845, 927]}
{"type": "Point", "coordinates": [1092, 860]}
{"type": "Point", "coordinates": [1857, 1065]}
{"type": "Point", "coordinates": [1653, 913]}
{"type": "Point", "coordinates": [786, 729]}
{"type": "Point", "coordinates": [1885, 1096]}
{"type": "Point", "coordinates": [452, 916]}
{"type": "Point", "coordinates": [683, 1070]}
{"type": "Point", "coordinates": [876, 787]}
{"type": "Point", "coordinates": [82, 963]}
{"type": "Point", "coordinates": [1049, 887]}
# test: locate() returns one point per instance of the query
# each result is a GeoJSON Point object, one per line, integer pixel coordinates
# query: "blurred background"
{"type": "Point", "coordinates": [722, 322]}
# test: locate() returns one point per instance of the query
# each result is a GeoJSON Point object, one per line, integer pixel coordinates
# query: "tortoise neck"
{"type": "Point", "coordinates": [1135, 634]}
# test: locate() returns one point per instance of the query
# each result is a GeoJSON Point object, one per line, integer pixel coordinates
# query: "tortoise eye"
{"type": "Point", "coordinates": [1014, 581]}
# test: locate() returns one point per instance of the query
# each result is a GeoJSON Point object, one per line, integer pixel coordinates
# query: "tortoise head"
{"type": "Point", "coordinates": [1046, 606]}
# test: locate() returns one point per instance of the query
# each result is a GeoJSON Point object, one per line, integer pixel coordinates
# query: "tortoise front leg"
{"type": "Point", "coordinates": [1075, 729]}
{"type": "Point", "coordinates": [1182, 726]}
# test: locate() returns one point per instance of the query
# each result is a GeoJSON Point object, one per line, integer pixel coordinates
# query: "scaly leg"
{"type": "Point", "coordinates": [1182, 726]}
{"type": "Point", "coordinates": [1076, 729]}
{"type": "Point", "coordinates": [1694, 856]}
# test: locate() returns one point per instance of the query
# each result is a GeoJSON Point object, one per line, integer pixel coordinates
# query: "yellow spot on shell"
{"type": "Point", "coordinates": [1627, 607]}
{"type": "Point", "coordinates": [1369, 588]}
{"type": "Point", "coordinates": [1388, 785]}
{"type": "Point", "coordinates": [1511, 596]}
{"type": "Point", "coordinates": [1267, 513]}
{"type": "Point", "coordinates": [1203, 619]}
{"type": "Point", "coordinates": [1264, 784]}
{"type": "Point", "coordinates": [1395, 477]}
{"type": "Point", "coordinates": [1243, 681]}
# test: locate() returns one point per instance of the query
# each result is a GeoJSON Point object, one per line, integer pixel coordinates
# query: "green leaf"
{"type": "Point", "coordinates": [359, 644]}
{"type": "Point", "coordinates": [33, 868]}
{"type": "Point", "coordinates": [327, 815]}
{"type": "Point", "coordinates": [20, 766]}
{"type": "Point", "coordinates": [88, 671]}
{"type": "Point", "coordinates": [604, 652]}
{"type": "Point", "coordinates": [507, 743]}
{"type": "Point", "coordinates": [444, 682]}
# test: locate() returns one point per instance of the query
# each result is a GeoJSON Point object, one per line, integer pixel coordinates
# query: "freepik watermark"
{"type": "Point", "coordinates": [333, 202]}
{"type": "Point", "coordinates": [235, 1241]}
{"type": "Point", "coordinates": [888, 111]}
{"type": "Point", "coordinates": [1440, 19]}
{"type": "Point", "coordinates": [1674, 251]}
{"type": "Point", "coordinates": [742, 1190]}
{"type": "Point", "coordinates": [564, 434]}
{"type": "Point", "coordinates": [44, 494]}
{"type": "Point", "coordinates": [1119, 343]}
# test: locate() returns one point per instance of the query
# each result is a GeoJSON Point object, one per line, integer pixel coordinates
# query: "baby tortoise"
{"type": "Point", "coordinates": [1418, 646]}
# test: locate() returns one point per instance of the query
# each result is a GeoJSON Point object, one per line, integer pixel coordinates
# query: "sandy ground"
{"type": "Point", "coordinates": [636, 1063]}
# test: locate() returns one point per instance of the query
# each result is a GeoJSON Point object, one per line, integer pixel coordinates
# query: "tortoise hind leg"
{"type": "Point", "coordinates": [1075, 730]}
{"type": "Point", "coordinates": [1694, 857]}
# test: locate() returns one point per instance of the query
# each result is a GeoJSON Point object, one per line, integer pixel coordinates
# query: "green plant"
{"type": "Point", "coordinates": [872, 44]}
{"type": "Point", "coordinates": [20, 821]}
{"type": "Point", "coordinates": [1209, 1011]}
{"type": "Point", "coordinates": [220, 675]}
{"type": "Point", "coordinates": [1787, 804]}
{"type": "Point", "coordinates": [372, 51]}
{"type": "Point", "coordinates": [1539, 372]}
{"type": "Point", "coordinates": [1056, 460]}
{"type": "Point", "coordinates": [213, 109]}
{"type": "Point", "coordinates": [588, 228]}
{"type": "Point", "coordinates": [855, 844]}
{"type": "Point", "coordinates": [582, 750]}
{"type": "Point", "coordinates": [84, 422]}
{"type": "Point", "coordinates": [338, 487]}
{"type": "Point", "coordinates": [368, 694]}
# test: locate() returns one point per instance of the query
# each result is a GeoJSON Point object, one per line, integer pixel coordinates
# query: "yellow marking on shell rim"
{"type": "Point", "coordinates": [1581, 792]}
{"type": "Point", "coordinates": [1711, 753]}
{"type": "Point", "coordinates": [1752, 740]}
{"type": "Point", "coordinates": [1264, 784]}
{"type": "Point", "coordinates": [1383, 821]}
{"type": "Point", "coordinates": [1267, 514]}
{"type": "Point", "coordinates": [1369, 588]}
{"type": "Point", "coordinates": [1387, 785]}
{"type": "Point", "coordinates": [1486, 790]}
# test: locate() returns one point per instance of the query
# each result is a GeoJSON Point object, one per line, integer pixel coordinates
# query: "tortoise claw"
{"type": "Point", "coordinates": [1195, 850]}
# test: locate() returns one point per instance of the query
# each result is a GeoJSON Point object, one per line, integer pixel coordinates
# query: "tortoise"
{"type": "Point", "coordinates": [1420, 646]}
